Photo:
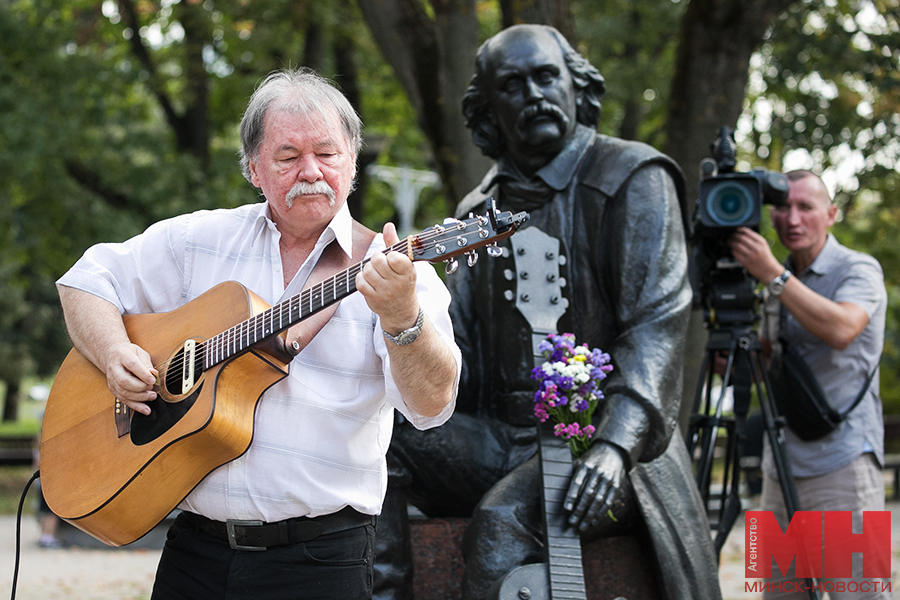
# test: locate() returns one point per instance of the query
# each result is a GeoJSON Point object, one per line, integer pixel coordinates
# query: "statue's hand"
{"type": "Point", "coordinates": [599, 478]}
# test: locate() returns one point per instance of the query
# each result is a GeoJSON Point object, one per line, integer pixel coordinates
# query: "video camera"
{"type": "Point", "coordinates": [728, 199]}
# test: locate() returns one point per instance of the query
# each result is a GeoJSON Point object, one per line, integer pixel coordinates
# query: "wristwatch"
{"type": "Point", "coordinates": [776, 286]}
{"type": "Point", "coordinates": [407, 336]}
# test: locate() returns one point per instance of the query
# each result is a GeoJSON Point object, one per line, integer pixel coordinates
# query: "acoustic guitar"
{"type": "Point", "coordinates": [116, 474]}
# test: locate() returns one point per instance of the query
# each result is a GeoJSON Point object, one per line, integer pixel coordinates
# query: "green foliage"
{"type": "Point", "coordinates": [826, 87]}
{"type": "Point", "coordinates": [98, 140]}
{"type": "Point", "coordinates": [632, 43]}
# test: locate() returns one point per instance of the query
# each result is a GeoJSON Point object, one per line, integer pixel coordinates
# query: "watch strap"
{"type": "Point", "coordinates": [407, 336]}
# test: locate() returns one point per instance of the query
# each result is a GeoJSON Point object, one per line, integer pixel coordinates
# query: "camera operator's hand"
{"type": "Point", "coordinates": [753, 252]}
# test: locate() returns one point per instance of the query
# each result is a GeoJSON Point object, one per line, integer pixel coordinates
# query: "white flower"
{"type": "Point", "coordinates": [573, 404]}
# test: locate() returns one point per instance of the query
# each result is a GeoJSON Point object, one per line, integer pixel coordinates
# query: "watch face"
{"type": "Point", "coordinates": [407, 337]}
{"type": "Point", "coordinates": [776, 286]}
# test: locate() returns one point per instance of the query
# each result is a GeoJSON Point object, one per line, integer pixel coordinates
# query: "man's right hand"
{"type": "Point", "coordinates": [130, 376]}
{"type": "Point", "coordinates": [98, 333]}
{"type": "Point", "coordinates": [753, 252]}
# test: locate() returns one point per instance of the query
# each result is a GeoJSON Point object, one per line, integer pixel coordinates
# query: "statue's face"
{"type": "Point", "coordinates": [532, 93]}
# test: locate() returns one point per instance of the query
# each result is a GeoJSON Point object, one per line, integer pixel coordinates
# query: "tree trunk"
{"type": "Point", "coordinates": [192, 127]}
{"type": "Point", "coordinates": [717, 39]}
{"type": "Point", "coordinates": [556, 13]}
{"type": "Point", "coordinates": [434, 60]}
{"type": "Point", "coordinates": [11, 405]}
{"type": "Point", "coordinates": [348, 78]}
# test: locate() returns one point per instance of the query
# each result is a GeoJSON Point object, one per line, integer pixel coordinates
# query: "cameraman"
{"type": "Point", "coordinates": [834, 303]}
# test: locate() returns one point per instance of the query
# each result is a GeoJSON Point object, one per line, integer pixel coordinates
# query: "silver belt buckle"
{"type": "Point", "coordinates": [229, 527]}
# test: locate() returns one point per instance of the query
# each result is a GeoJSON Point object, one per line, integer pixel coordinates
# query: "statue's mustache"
{"type": "Point", "coordinates": [543, 108]}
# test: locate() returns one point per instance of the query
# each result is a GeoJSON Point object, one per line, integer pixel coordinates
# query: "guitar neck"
{"type": "Point", "coordinates": [284, 315]}
{"type": "Point", "coordinates": [563, 544]}
{"type": "Point", "coordinates": [564, 562]}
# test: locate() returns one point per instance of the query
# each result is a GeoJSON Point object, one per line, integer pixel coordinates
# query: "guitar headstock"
{"type": "Point", "coordinates": [444, 242]}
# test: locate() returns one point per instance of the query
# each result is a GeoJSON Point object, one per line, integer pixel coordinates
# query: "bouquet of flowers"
{"type": "Point", "coordinates": [568, 388]}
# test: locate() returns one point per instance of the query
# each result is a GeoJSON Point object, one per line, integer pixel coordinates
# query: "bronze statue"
{"type": "Point", "coordinates": [618, 210]}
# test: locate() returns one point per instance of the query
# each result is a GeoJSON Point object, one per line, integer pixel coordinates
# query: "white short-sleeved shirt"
{"type": "Point", "coordinates": [321, 434]}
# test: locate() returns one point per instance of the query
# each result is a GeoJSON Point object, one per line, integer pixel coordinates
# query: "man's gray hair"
{"type": "Point", "coordinates": [301, 91]}
{"type": "Point", "coordinates": [589, 89]}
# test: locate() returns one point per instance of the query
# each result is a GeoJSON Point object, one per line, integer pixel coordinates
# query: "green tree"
{"type": "Point", "coordinates": [114, 114]}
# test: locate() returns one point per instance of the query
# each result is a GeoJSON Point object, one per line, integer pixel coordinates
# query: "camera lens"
{"type": "Point", "coordinates": [729, 204]}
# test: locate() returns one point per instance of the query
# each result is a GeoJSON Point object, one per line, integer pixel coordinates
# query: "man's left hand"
{"type": "Point", "coordinates": [388, 283]}
{"type": "Point", "coordinates": [595, 493]}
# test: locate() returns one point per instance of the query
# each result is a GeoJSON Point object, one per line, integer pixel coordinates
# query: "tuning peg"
{"type": "Point", "coordinates": [451, 267]}
{"type": "Point", "coordinates": [494, 250]}
{"type": "Point", "coordinates": [472, 258]}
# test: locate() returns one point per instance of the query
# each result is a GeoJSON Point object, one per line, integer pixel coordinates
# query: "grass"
{"type": "Point", "coordinates": [12, 482]}
{"type": "Point", "coordinates": [22, 427]}
{"type": "Point", "coordinates": [14, 478]}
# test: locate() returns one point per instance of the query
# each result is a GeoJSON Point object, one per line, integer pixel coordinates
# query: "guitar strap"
{"type": "Point", "coordinates": [332, 261]}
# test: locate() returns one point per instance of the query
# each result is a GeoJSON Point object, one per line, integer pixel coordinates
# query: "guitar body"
{"type": "Point", "coordinates": [527, 581]}
{"type": "Point", "coordinates": [117, 486]}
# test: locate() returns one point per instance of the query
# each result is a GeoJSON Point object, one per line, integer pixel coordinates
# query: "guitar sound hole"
{"type": "Point", "coordinates": [163, 416]}
{"type": "Point", "coordinates": [172, 381]}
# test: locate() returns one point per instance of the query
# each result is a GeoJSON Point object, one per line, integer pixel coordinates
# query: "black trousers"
{"type": "Point", "coordinates": [197, 566]}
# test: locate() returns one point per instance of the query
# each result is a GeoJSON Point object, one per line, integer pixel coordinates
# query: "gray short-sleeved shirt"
{"type": "Point", "coordinates": [842, 275]}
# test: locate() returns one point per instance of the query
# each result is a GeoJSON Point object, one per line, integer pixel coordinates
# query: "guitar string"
{"type": "Point", "coordinates": [240, 333]}
{"type": "Point", "coordinates": [230, 337]}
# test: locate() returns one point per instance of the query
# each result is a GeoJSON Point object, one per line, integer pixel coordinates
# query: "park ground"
{"type": "Point", "coordinates": [127, 573]}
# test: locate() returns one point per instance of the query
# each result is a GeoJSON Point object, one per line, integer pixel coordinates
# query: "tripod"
{"type": "Point", "coordinates": [739, 343]}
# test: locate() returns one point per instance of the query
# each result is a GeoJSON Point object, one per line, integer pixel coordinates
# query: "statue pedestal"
{"type": "Point", "coordinates": [613, 567]}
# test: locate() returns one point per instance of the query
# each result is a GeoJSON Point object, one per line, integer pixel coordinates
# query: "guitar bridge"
{"type": "Point", "coordinates": [123, 418]}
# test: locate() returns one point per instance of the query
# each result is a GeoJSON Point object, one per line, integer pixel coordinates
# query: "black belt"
{"type": "Point", "coordinates": [259, 535]}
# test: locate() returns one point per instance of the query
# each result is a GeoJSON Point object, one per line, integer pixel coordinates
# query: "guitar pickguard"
{"type": "Point", "coordinates": [163, 416]}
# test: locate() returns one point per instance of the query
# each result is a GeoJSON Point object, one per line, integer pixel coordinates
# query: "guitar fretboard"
{"type": "Point", "coordinates": [563, 544]}
{"type": "Point", "coordinates": [283, 315]}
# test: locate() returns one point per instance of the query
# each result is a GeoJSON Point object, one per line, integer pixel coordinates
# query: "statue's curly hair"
{"type": "Point", "coordinates": [589, 88]}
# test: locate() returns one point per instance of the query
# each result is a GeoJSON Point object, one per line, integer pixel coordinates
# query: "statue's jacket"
{"type": "Point", "coordinates": [619, 211]}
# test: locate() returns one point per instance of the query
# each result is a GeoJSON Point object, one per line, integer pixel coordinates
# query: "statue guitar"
{"type": "Point", "coordinates": [115, 474]}
{"type": "Point", "coordinates": [539, 298]}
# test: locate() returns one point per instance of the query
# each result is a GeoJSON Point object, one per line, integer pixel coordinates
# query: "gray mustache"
{"type": "Point", "coordinates": [302, 188]}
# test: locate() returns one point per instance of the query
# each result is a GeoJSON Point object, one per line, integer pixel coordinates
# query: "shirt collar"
{"type": "Point", "coordinates": [340, 228]}
{"type": "Point", "coordinates": [558, 173]}
{"type": "Point", "coordinates": [826, 258]}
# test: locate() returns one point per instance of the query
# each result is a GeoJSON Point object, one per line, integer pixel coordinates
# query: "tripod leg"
{"type": "Point", "coordinates": [774, 427]}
